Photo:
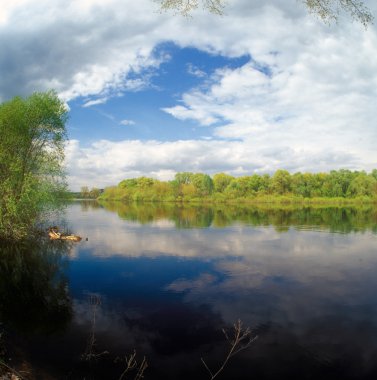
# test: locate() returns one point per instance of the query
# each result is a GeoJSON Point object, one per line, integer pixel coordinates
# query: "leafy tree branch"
{"type": "Point", "coordinates": [327, 10]}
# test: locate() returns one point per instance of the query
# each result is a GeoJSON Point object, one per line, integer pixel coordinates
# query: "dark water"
{"type": "Point", "coordinates": [164, 281]}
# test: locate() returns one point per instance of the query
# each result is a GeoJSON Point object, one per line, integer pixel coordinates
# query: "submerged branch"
{"type": "Point", "coordinates": [241, 340]}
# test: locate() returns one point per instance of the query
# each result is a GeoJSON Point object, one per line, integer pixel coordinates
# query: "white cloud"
{"type": "Point", "coordinates": [91, 47]}
{"type": "Point", "coordinates": [195, 71]}
{"type": "Point", "coordinates": [80, 49]}
{"type": "Point", "coordinates": [105, 163]}
{"type": "Point", "coordinates": [305, 101]}
{"type": "Point", "coordinates": [316, 96]}
{"type": "Point", "coordinates": [127, 122]}
{"type": "Point", "coordinates": [94, 102]}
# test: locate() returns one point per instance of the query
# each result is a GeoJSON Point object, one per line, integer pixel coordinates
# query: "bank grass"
{"type": "Point", "coordinates": [298, 200]}
{"type": "Point", "coordinates": [118, 194]}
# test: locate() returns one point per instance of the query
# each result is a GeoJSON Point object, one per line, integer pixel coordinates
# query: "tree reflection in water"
{"type": "Point", "coordinates": [33, 287]}
{"type": "Point", "coordinates": [282, 217]}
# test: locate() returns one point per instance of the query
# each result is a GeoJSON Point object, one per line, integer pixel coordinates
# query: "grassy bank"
{"type": "Point", "coordinates": [257, 200]}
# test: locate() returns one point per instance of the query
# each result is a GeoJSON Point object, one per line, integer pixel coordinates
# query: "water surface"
{"type": "Point", "coordinates": [165, 280]}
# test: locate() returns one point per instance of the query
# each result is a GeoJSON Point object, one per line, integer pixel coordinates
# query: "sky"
{"type": "Point", "coordinates": [267, 86]}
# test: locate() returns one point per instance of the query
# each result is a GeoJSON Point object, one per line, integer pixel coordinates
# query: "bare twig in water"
{"type": "Point", "coordinates": [143, 366]}
{"type": "Point", "coordinates": [240, 340]}
{"type": "Point", "coordinates": [131, 364]}
{"type": "Point", "coordinates": [90, 351]}
{"type": "Point", "coordinates": [10, 373]}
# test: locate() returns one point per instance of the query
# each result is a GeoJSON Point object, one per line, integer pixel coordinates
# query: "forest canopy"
{"type": "Point", "coordinates": [187, 186]}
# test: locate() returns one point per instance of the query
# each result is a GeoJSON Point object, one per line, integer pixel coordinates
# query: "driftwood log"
{"type": "Point", "coordinates": [54, 234]}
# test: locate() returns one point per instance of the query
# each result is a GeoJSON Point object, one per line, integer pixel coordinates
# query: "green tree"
{"type": "Point", "coordinates": [362, 185]}
{"type": "Point", "coordinates": [221, 181]}
{"type": "Point", "coordinates": [188, 191]}
{"type": "Point", "coordinates": [281, 182]}
{"type": "Point", "coordinates": [307, 184]}
{"type": "Point", "coordinates": [374, 174]}
{"type": "Point", "coordinates": [161, 190]}
{"type": "Point", "coordinates": [203, 183]}
{"type": "Point", "coordinates": [184, 178]}
{"type": "Point", "coordinates": [128, 183]}
{"type": "Point", "coordinates": [32, 136]}
{"type": "Point", "coordinates": [327, 10]}
{"type": "Point", "coordinates": [336, 183]}
{"type": "Point", "coordinates": [239, 186]}
{"type": "Point", "coordinates": [258, 184]}
{"type": "Point", "coordinates": [94, 193]}
{"type": "Point", "coordinates": [144, 183]}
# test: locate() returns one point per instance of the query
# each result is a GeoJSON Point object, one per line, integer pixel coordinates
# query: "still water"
{"type": "Point", "coordinates": [163, 281]}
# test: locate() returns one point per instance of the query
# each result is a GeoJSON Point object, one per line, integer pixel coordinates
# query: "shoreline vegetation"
{"type": "Point", "coordinates": [336, 188]}
{"type": "Point", "coordinates": [32, 182]}
{"type": "Point", "coordinates": [286, 200]}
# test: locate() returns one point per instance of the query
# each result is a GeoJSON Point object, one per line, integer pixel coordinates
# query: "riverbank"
{"type": "Point", "coordinates": [258, 200]}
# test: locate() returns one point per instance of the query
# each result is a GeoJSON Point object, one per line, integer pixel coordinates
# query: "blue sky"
{"type": "Point", "coordinates": [266, 86]}
{"type": "Point", "coordinates": [139, 114]}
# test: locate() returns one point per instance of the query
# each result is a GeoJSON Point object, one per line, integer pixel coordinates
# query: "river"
{"type": "Point", "coordinates": [164, 281]}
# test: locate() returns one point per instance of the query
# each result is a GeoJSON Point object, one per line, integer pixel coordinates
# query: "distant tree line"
{"type": "Point", "coordinates": [222, 187]}
{"type": "Point", "coordinates": [86, 193]}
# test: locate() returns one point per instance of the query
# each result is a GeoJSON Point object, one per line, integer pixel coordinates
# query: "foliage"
{"type": "Point", "coordinates": [203, 184]}
{"type": "Point", "coordinates": [281, 182]}
{"type": "Point", "coordinates": [339, 186]}
{"type": "Point", "coordinates": [86, 193]}
{"type": "Point", "coordinates": [221, 181]}
{"type": "Point", "coordinates": [32, 136]}
{"type": "Point", "coordinates": [185, 7]}
{"type": "Point", "coordinates": [327, 10]}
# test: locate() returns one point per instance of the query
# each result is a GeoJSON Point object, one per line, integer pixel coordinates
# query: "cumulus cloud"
{"type": "Point", "coordinates": [320, 100]}
{"type": "Point", "coordinates": [90, 47]}
{"type": "Point", "coordinates": [78, 49]}
{"type": "Point", "coordinates": [304, 101]}
{"type": "Point", "coordinates": [105, 163]}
